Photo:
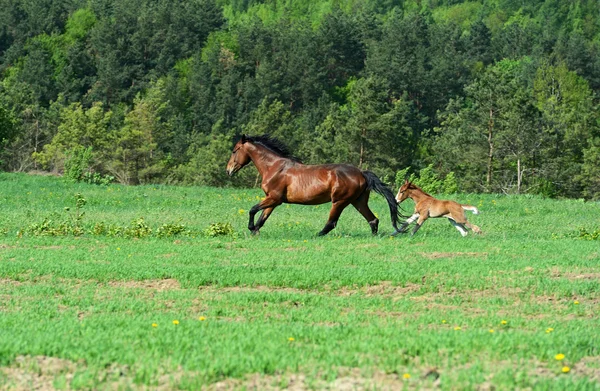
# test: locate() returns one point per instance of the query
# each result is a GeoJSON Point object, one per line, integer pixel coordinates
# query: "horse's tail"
{"type": "Point", "coordinates": [471, 208]}
{"type": "Point", "coordinates": [375, 184]}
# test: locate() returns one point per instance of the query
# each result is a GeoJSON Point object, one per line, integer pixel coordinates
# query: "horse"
{"type": "Point", "coordinates": [427, 206]}
{"type": "Point", "coordinates": [286, 180]}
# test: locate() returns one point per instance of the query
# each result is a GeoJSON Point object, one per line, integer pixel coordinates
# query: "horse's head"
{"type": "Point", "coordinates": [403, 191]}
{"type": "Point", "coordinates": [239, 157]}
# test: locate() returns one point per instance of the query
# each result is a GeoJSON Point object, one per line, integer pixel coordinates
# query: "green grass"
{"type": "Point", "coordinates": [361, 310]}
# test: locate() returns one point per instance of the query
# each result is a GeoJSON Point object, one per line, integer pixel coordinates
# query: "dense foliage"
{"type": "Point", "coordinates": [502, 93]}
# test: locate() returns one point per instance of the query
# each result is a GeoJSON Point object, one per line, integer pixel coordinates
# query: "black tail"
{"type": "Point", "coordinates": [375, 184]}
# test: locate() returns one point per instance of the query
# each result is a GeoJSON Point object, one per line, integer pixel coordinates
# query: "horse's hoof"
{"type": "Point", "coordinates": [255, 232]}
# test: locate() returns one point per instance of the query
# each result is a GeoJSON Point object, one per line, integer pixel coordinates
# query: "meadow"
{"type": "Point", "coordinates": [133, 289]}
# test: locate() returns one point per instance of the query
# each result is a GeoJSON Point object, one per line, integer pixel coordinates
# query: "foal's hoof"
{"type": "Point", "coordinates": [255, 232]}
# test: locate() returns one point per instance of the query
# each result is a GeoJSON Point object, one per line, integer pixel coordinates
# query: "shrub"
{"type": "Point", "coordinates": [219, 229]}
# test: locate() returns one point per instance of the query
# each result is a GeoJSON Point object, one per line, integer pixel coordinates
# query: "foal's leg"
{"type": "Point", "coordinates": [420, 222]}
{"type": "Point", "coordinates": [362, 205]}
{"type": "Point", "coordinates": [459, 227]}
{"type": "Point", "coordinates": [334, 215]}
{"type": "Point", "coordinates": [405, 225]}
{"type": "Point", "coordinates": [473, 227]}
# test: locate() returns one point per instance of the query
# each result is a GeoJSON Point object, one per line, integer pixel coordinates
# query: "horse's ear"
{"type": "Point", "coordinates": [244, 139]}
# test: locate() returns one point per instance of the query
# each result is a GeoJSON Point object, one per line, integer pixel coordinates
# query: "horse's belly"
{"type": "Point", "coordinates": [308, 195]}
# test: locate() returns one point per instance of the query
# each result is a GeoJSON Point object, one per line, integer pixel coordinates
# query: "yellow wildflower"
{"type": "Point", "coordinates": [202, 319]}
{"type": "Point", "coordinates": [443, 320]}
{"type": "Point", "coordinates": [576, 302]}
{"type": "Point", "coordinates": [566, 369]}
{"type": "Point", "coordinates": [291, 339]}
{"type": "Point", "coordinates": [457, 328]}
{"type": "Point", "coordinates": [503, 322]}
{"type": "Point", "coordinates": [175, 322]}
{"type": "Point", "coordinates": [491, 330]}
{"type": "Point", "coordinates": [406, 376]}
{"type": "Point", "coordinates": [154, 325]}
{"type": "Point", "coordinates": [549, 330]}
{"type": "Point", "coordinates": [559, 356]}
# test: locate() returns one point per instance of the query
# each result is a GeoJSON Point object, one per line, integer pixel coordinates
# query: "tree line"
{"type": "Point", "coordinates": [501, 94]}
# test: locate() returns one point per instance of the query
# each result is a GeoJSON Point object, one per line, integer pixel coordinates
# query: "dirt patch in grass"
{"type": "Point", "coordinates": [250, 289]}
{"type": "Point", "coordinates": [8, 281]}
{"type": "Point", "coordinates": [439, 255]}
{"type": "Point", "coordinates": [347, 380]}
{"type": "Point", "coordinates": [383, 289]}
{"type": "Point", "coordinates": [36, 373]}
{"type": "Point", "coordinates": [159, 285]}
{"type": "Point", "coordinates": [580, 276]}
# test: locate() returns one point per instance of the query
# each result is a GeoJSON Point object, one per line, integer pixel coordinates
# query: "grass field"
{"type": "Point", "coordinates": [121, 308]}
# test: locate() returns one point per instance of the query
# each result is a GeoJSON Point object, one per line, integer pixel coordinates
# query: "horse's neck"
{"type": "Point", "coordinates": [263, 158]}
{"type": "Point", "coordinates": [418, 195]}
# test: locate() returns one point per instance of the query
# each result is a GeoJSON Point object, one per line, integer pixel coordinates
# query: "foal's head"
{"type": "Point", "coordinates": [239, 157]}
{"type": "Point", "coordinates": [404, 191]}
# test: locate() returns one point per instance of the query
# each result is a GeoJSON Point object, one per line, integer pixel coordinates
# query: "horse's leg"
{"type": "Point", "coordinates": [362, 205]}
{"type": "Point", "coordinates": [261, 220]}
{"type": "Point", "coordinates": [420, 222]}
{"type": "Point", "coordinates": [334, 215]}
{"type": "Point", "coordinates": [269, 202]}
{"type": "Point", "coordinates": [458, 226]}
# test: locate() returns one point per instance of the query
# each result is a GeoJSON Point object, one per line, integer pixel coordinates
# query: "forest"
{"type": "Point", "coordinates": [500, 96]}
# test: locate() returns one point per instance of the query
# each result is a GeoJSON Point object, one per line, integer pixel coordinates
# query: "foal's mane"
{"type": "Point", "coordinates": [413, 186]}
{"type": "Point", "coordinates": [274, 145]}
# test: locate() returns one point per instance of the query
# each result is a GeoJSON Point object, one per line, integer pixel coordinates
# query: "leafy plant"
{"type": "Point", "coordinates": [219, 229]}
{"type": "Point", "coordinates": [169, 230]}
{"type": "Point", "coordinates": [138, 229]}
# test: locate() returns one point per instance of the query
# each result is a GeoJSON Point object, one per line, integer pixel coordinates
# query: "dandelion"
{"type": "Point", "coordinates": [202, 319]}
{"type": "Point", "coordinates": [241, 211]}
{"type": "Point", "coordinates": [559, 356]}
{"type": "Point", "coordinates": [549, 330]}
{"type": "Point", "coordinates": [154, 325]}
{"type": "Point", "coordinates": [291, 339]}
{"type": "Point", "coordinates": [457, 328]}
{"type": "Point", "coordinates": [566, 369]}
{"type": "Point", "coordinates": [406, 376]}
{"type": "Point", "coordinates": [118, 248]}
{"type": "Point", "coordinates": [491, 330]}
{"type": "Point", "coordinates": [306, 241]}
{"type": "Point", "coordinates": [175, 322]}
{"type": "Point", "coordinates": [504, 322]}
{"type": "Point", "coordinates": [576, 302]}
{"type": "Point", "coordinates": [443, 320]}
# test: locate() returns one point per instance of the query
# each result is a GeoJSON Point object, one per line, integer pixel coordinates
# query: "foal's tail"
{"type": "Point", "coordinates": [471, 208]}
{"type": "Point", "coordinates": [375, 184]}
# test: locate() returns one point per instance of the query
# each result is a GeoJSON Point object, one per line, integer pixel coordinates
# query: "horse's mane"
{"type": "Point", "coordinates": [274, 145]}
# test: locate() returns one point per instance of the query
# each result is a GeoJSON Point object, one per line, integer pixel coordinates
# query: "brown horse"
{"type": "Point", "coordinates": [286, 180]}
{"type": "Point", "coordinates": [426, 206]}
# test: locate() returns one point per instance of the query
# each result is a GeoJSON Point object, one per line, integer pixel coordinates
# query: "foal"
{"type": "Point", "coordinates": [426, 206]}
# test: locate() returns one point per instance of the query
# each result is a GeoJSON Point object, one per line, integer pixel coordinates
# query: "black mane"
{"type": "Point", "coordinates": [274, 145]}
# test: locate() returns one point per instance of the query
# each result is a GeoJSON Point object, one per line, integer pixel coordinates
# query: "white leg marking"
{"type": "Point", "coordinates": [412, 218]}
{"type": "Point", "coordinates": [460, 229]}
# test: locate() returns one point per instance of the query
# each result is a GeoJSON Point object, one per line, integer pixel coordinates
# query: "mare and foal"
{"type": "Point", "coordinates": [286, 180]}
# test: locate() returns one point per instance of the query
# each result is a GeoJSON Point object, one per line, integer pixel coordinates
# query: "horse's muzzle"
{"type": "Point", "coordinates": [232, 170]}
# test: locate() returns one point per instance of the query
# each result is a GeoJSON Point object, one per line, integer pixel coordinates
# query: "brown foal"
{"type": "Point", "coordinates": [286, 180]}
{"type": "Point", "coordinates": [426, 206]}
